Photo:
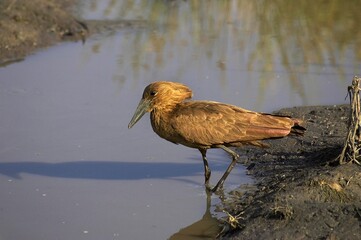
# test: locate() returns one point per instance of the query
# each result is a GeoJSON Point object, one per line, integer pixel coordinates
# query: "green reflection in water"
{"type": "Point", "coordinates": [232, 39]}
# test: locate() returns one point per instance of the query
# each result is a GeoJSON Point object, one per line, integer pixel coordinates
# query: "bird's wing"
{"type": "Point", "coordinates": [211, 123]}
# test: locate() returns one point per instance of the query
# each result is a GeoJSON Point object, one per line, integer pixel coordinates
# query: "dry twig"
{"type": "Point", "coordinates": [351, 149]}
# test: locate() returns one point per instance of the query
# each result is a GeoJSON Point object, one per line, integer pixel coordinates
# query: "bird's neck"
{"type": "Point", "coordinates": [160, 120]}
{"type": "Point", "coordinates": [159, 115]}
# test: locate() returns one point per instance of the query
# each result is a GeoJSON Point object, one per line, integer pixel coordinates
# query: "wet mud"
{"type": "Point", "coordinates": [30, 25]}
{"type": "Point", "coordinates": [301, 191]}
{"type": "Point", "coordinates": [27, 26]}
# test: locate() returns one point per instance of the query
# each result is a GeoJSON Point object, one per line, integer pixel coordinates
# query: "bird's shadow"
{"type": "Point", "coordinates": [103, 170]}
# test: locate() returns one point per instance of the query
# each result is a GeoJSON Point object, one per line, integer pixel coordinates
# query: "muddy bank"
{"type": "Point", "coordinates": [26, 26]}
{"type": "Point", "coordinates": [300, 192]}
{"type": "Point", "coordinates": [29, 25]}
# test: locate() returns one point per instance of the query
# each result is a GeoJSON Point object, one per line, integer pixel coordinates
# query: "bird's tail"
{"type": "Point", "coordinates": [297, 129]}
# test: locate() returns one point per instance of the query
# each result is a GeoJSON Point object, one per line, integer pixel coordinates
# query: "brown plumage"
{"type": "Point", "coordinates": [208, 124]}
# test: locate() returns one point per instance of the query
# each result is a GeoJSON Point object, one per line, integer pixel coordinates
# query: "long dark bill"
{"type": "Point", "coordinates": [139, 112]}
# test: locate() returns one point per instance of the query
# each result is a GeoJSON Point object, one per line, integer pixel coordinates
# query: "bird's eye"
{"type": "Point", "coordinates": [153, 93]}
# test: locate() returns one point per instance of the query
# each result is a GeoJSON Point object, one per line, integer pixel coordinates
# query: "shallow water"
{"type": "Point", "coordinates": [70, 168]}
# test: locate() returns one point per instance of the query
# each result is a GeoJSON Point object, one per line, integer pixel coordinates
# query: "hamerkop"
{"type": "Point", "coordinates": [207, 124]}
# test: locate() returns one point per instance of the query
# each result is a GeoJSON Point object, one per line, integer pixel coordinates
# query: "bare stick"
{"type": "Point", "coordinates": [351, 149]}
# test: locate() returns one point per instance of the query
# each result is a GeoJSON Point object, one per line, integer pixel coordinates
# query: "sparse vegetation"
{"type": "Point", "coordinates": [351, 150]}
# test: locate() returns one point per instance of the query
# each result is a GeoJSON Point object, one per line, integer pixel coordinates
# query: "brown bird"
{"type": "Point", "coordinates": [207, 124]}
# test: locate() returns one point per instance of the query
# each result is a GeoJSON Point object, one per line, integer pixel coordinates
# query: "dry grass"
{"type": "Point", "coordinates": [351, 150]}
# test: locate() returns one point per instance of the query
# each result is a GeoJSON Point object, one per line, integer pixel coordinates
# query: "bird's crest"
{"type": "Point", "coordinates": [165, 95]}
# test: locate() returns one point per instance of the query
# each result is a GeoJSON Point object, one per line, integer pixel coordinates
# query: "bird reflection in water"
{"type": "Point", "coordinates": [207, 227]}
{"type": "Point", "coordinates": [208, 124]}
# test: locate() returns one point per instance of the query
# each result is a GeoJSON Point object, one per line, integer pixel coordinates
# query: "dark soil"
{"type": "Point", "coordinates": [26, 26]}
{"type": "Point", "coordinates": [301, 191]}
{"type": "Point", "coordinates": [29, 25]}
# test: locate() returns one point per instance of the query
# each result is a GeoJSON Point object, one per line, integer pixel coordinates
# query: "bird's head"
{"type": "Point", "coordinates": [160, 96]}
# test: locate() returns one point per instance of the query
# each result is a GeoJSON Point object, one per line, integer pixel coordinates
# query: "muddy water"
{"type": "Point", "coordinates": [70, 168]}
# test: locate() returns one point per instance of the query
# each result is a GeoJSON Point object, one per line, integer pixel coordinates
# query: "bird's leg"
{"type": "Point", "coordinates": [207, 171]}
{"type": "Point", "coordinates": [229, 151]}
{"type": "Point", "coordinates": [229, 169]}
